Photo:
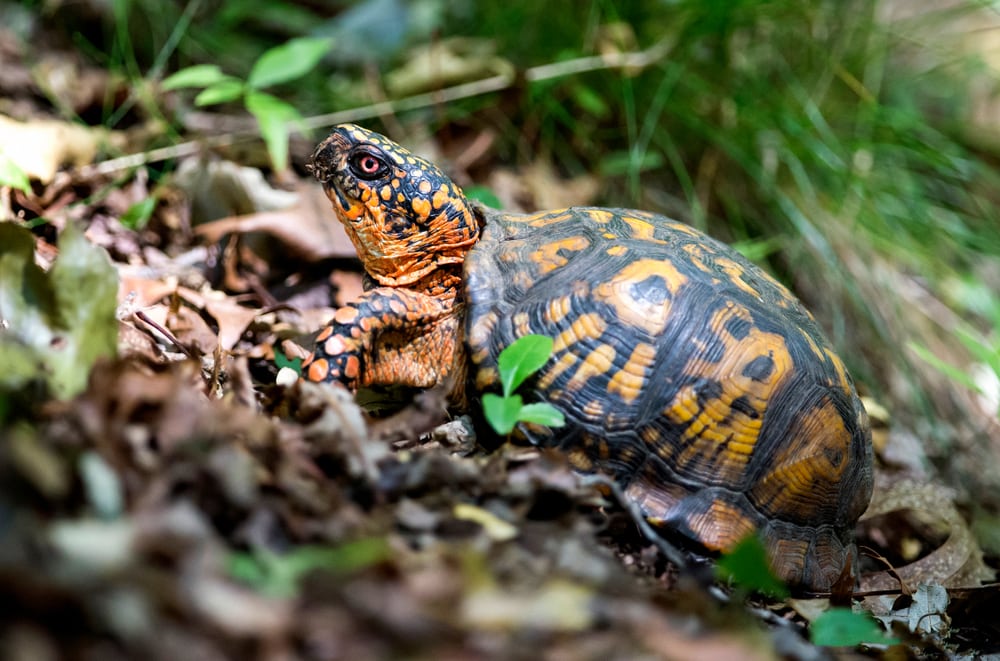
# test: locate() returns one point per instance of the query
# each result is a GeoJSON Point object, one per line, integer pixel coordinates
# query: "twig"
{"type": "Point", "coordinates": [166, 333]}
{"type": "Point", "coordinates": [669, 551]}
{"type": "Point", "coordinates": [635, 59]}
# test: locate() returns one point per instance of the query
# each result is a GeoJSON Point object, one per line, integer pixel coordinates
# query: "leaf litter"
{"type": "Point", "coordinates": [176, 502]}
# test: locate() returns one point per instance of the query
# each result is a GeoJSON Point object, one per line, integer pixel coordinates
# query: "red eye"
{"type": "Point", "coordinates": [366, 165]}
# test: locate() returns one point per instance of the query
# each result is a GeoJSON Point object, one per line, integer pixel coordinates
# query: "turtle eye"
{"type": "Point", "coordinates": [366, 165]}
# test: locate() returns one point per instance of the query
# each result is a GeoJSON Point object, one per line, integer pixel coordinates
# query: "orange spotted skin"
{"type": "Point", "coordinates": [685, 372]}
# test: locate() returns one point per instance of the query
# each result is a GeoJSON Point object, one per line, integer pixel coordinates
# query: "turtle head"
{"type": "Point", "coordinates": [404, 216]}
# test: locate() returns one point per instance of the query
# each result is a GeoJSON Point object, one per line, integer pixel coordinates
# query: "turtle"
{"type": "Point", "coordinates": [687, 375]}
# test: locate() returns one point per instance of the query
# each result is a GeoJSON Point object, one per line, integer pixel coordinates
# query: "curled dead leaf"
{"type": "Point", "coordinates": [956, 562]}
{"type": "Point", "coordinates": [307, 227]}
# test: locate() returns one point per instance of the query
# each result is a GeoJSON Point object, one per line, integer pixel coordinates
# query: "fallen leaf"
{"type": "Point", "coordinates": [957, 562]}
{"type": "Point", "coordinates": [496, 528]}
{"type": "Point", "coordinates": [308, 227]}
{"type": "Point", "coordinates": [444, 62]}
{"type": "Point", "coordinates": [555, 605]}
{"type": "Point", "coordinates": [41, 147]}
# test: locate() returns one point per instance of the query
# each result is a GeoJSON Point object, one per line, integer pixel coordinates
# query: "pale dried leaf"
{"type": "Point", "coordinates": [41, 147]}
{"type": "Point", "coordinates": [444, 62]}
{"type": "Point", "coordinates": [556, 605]}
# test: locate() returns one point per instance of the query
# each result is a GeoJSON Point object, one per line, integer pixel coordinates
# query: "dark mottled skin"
{"type": "Point", "coordinates": [684, 371]}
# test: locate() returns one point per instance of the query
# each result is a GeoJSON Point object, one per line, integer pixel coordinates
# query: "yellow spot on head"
{"type": "Point", "coordinates": [440, 197]}
{"type": "Point", "coordinates": [424, 186]}
{"type": "Point", "coordinates": [421, 207]}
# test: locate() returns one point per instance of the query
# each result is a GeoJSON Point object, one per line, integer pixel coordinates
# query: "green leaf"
{"type": "Point", "coordinates": [273, 116]}
{"type": "Point", "coordinates": [281, 360]}
{"type": "Point", "coordinates": [501, 412]}
{"type": "Point", "coordinates": [758, 249]}
{"type": "Point", "coordinates": [980, 347]}
{"type": "Point", "coordinates": [289, 61]}
{"type": "Point", "coordinates": [591, 101]}
{"type": "Point", "coordinates": [484, 195]}
{"type": "Point", "coordinates": [85, 285]}
{"type": "Point", "coordinates": [521, 359]}
{"type": "Point", "coordinates": [223, 91]}
{"type": "Point", "coordinates": [201, 75]}
{"type": "Point", "coordinates": [280, 575]}
{"type": "Point", "coordinates": [56, 324]}
{"type": "Point", "coordinates": [137, 216]}
{"type": "Point", "coordinates": [12, 175]}
{"type": "Point", "coordinates": [842, 627]}
{"type": "Point", "coordinates": [541, 413]}
{"type": "Point", "coordinates": [748, 567]}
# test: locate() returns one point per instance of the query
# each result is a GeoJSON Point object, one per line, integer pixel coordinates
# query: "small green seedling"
{"type": "Point", "coordinates": [282, 360]}
{"type": "Point", "coordinates": [281, 575]}
{"type": "Point", "coordinates": [516, 363]}
{"type": "Point", "coordinates": [748, 568]}
{"type": "Point", "coordinates": [280, 64]}
{"type": "Point", "coordinates": [842, 627]}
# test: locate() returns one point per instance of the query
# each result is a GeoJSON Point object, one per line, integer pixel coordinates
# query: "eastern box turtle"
{"type": "Point", "coordinates": [686, 373]}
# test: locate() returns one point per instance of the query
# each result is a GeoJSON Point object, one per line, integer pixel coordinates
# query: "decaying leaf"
{"type": "Point", "coordinates": [446, 62]}
{"type": "Point", "coordinates": [958, 562]}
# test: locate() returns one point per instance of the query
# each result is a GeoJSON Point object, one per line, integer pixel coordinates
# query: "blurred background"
{"type": "Point", "coordinates": [849, 146]}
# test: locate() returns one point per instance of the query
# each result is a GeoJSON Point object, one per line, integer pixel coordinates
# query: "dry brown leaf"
{"type": "Point", "coordinates": [232, 318]}
{"type": "Point", "coordinates": [958, 562]}
{"type": "Point", "coordinates": [349, 286]}
{"type": "Point", "coordinates": [186, 325]}
{"type": "Point", "coordinates": [141, 292]}
{"type": "Point", "coordinates": [308, 228]}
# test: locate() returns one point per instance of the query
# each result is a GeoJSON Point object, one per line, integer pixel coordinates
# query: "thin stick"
{"type": "Point", "coordinates": [635, 59]}
{"type": "Point", "coordinates": [142, 316]}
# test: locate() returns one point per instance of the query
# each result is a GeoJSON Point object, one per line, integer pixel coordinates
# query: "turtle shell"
{"type": "Point", "coordinates": [686, 373]}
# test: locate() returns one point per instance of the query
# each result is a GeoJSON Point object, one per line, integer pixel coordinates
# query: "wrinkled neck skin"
{"type": "Point", "coordinates": [396, 252]}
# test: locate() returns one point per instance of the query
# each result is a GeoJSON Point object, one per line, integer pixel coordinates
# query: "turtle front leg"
{"type": "Point", "coordinates": [389, 336]}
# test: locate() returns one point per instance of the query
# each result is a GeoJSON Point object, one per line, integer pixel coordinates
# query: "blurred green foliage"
{"type": "Point", "coordinates": [56, 323]}
{"type": "Point", "coordinates": [818, 129]}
